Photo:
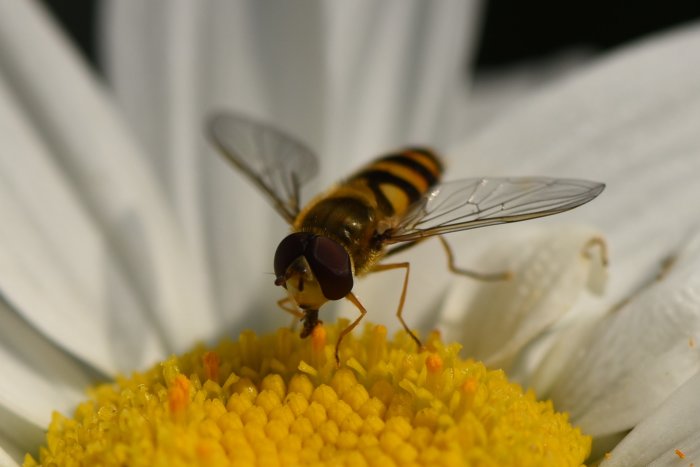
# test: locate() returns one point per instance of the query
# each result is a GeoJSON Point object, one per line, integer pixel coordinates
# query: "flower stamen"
{"type": "Point", "coordinates": [211, 365]}
{"type": "Point", "coordinates": [179, 395]}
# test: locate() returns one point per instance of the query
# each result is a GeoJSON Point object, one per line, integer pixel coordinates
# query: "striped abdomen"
{"type": "Point", "coordinates": [400, 179]}
{"type": "Point", "coordinates": [356, 212]}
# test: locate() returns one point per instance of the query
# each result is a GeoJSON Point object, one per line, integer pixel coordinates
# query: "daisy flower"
{"type": "Point", "coordinates": [124, 242]}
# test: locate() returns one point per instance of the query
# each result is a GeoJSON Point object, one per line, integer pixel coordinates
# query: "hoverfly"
{"type": "Point", "coordinates": [386, 206]}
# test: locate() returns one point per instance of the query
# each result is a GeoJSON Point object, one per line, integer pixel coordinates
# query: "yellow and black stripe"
{"type": "Point", "coordinates": [399, 179]}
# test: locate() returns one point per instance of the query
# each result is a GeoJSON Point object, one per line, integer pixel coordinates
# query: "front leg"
{"type": "Point", "coordinates": [290, 307]}
{"type": "Point", "coordinates": [352, 299]}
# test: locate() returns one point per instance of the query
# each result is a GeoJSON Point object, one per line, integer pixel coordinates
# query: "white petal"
{"type": "Point", "coordinates": [10, 455]}
{"type": "Point", "coordinates": [496, 92]}
{"type": "Point", "coordinates": [55, 264]}
{"type": "Point", "coordinates": [301, 66]}
{"type": "Point", "coordinates": [551, 269]}
{"type": "Point", "coordinates": [18, 436]}
{"type": "Point", "coordinates": [673, 426]}
{"type": "Point", "coordinates": [638, 355]}
{"type": "Point", "coordinates": [629, 120]}
{"type": "Point", "coordinates": [39, 378]}
{"type": "Point", "coordinates": [80, 128]}
{"type": "Point", "coordinates": [561, 345]}
{"type": "Point", "coordinates": [402, 79]}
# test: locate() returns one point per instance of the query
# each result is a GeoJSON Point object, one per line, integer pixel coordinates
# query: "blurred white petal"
{"type": "Point", "coordinates": [674, 425]}
{"type": "Point", "coordinates": [400, 81]}
{"type": "Point", "coordinates": [495, 92]}
{"type": "Point", "coordinates": [20, 436]}
{"type": "Point", "coordinates": [9, 453]}
{"type": "Point", "coordinates": [341, 95]}
{"type": "Point", "coordinates": [561, 345]}
{"type": "Point", "coordinates": [551, 269]}
{"type": "Point", "coordinates": [78, 126]}
{"type": "Point", "coordinates": [38, 379]}
{"type": "Point", "coordinates": [349, 95]}
{"type": "Point", "coordinates": [638, 355]}
{"type": "Point", "coordinates": [56, 267]}
{"type": "Point", "coordinates": [58, 381]}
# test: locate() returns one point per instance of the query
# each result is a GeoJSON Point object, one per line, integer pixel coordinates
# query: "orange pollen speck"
{"type": "Point", "coordinates": [204, 450]}
{"type": "Point", "coordinates": [434, 363]}
{"type": "Point", "coordinates": [318, 338]}
{"type": "Point", "coordinates": [692, 343]}
{"type": "Point", "coordinates": [178, 394]}
{"type": "Point", "coordinates": [211, 363]}
{"type": "Point", "coordinates": [608, 455]}
{"type": "Point", "coordinates": [469, 386]}
{"type": "Point", "coordinates": [680, 453]}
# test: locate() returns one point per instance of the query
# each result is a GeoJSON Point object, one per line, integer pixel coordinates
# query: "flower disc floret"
{"type": "Point", "coordinates": [278, 400]}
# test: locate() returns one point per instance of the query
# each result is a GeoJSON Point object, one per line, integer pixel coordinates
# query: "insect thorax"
{"type": "Point", "coordinates": [350, 220]}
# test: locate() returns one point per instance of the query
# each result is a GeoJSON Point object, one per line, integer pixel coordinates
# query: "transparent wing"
{"type": "Point", "coordinates": [275, 162]}
{"type": "Point", "coordinates": [471, 203]}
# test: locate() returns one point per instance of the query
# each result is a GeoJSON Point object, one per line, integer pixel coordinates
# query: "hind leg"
{"type": "Point", "coordinates": [402, 300]}
{"type": "Point", "coordinates": [488, 277]}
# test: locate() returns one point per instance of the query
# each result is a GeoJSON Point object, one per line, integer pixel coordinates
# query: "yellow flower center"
{"type": "Point", "coordinates": [279, 400]}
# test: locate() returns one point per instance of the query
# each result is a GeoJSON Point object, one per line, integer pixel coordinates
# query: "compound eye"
{"type": "Point", "coordinates": [330, 264]}
{"type": "Point", "coordinates": [289, 249]}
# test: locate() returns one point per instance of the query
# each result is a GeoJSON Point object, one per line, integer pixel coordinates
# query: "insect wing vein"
{"type": "Point", "coordinates": [471, 203]}
{"type": "Point", "coordinates": [273, 160]}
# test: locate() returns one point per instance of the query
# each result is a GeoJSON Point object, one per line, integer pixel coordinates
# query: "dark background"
{"type": "Point", "coordinates": [513, 30]}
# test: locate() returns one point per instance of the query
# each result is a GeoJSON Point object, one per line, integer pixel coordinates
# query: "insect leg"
{"type": "Point", "coordinates": [399, 311]}
{"type": "Point", "coordinates": [353, 299]}
{"type": "Point", "coordinates": [498, 276]}
{"type": "Point", "coordinates": [287, 305]}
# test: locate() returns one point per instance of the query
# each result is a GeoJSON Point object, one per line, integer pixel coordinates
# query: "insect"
{"type": "Point", "coordinates": [386, 206]}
